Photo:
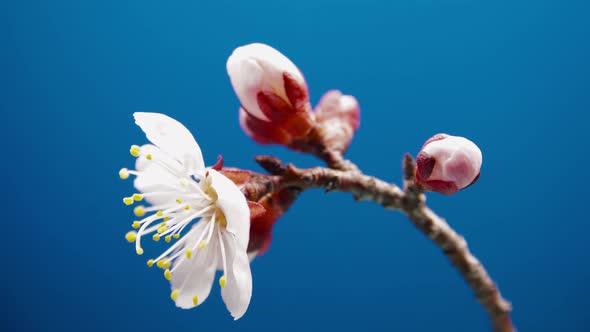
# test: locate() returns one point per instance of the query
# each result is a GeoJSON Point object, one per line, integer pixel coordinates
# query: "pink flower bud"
{"type": "Point", "coordinates": [447, 164]}
{"type": "Point", "coordinates": [339, 117]}
{"type": "Point", "coordinates": [271, 89]}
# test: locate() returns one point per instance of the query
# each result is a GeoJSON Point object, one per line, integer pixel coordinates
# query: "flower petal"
{"type": "Point", "coordinates": [233, 204]}
{"type": "Point", "coordinates": [258, 67]}
{"type": "Point", "coordinates": [238, 288]}
{"type": "Point", "coordinates": [172, 137]}
{"type": "Point", "coordinates": [152, 177]}
{"type": "Point", "coordinates": [194, 277]}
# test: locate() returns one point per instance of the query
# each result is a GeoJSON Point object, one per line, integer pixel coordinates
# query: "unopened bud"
{"type": "Point", "coordinates": [447, 164]}
{"type": "Point", "coordinates": [271, 90]}
{"type": "Point", "coordinates": [339, 118]}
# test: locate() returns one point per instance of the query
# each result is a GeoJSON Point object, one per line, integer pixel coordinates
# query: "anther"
{"type": "Point", "coordinates": [131, 236]}
{"type": "Point", "coordinates": [156, 237]}
{"type": "Point", "coordinates": [139, 251]}
{"type": "Point", "coordinates": [174, 294]}
{"type": "Point", "coordinates": [167, 274]}
{"type": "Point", "coordinates": [136, 224]}
{"type": "Point", "coordinates": [150, 263]}
{"type": "Point", "coordinates": [124, 173]}
{"type": "Point", "coordinates": [135, 150]}
{"type": "Point", "coordinates": [137, 197]}
{"type": "Point", "coordinates": [128, 200]}
{"type": "Point", "coordinates": [139, 211]}
{"type": "Point", "coordinates": [222, 281]}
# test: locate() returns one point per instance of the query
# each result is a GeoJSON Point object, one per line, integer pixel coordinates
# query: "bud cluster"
{"type": "Point", "coordinates": [275, 106]}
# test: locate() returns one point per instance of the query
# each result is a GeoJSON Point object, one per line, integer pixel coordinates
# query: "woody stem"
{"type": "Point", "coordinates": [411, 201]}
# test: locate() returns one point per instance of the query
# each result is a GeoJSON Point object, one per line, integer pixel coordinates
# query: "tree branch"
{"type": "Point", "coordinates": [411, 201]}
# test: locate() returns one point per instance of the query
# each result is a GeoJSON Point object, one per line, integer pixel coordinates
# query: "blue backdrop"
{"type": "Point", "coordinates": [512, 75]}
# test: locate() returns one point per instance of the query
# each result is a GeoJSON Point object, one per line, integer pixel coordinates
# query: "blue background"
{"type": "Point", "coordinates": [512, 75]}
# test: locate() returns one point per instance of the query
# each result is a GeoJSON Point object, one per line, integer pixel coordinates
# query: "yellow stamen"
{"type": "Point", "coordinates": [128, 200]}
{"type": "Point", "coordinates": [167, 264]}
{"type": "Point", "coordinates": [136, 224]}
{"type": "Point", "coordinates": [135, 150]}
{"type": "Point", "coordinates": [139, 211]}
{"type": "Point", "coordinates": [149, 156]}
{"type": "Point", "coordinates": [174, 294]}
{"type": "Point", "coordinates": [188, 207]}
{"type": "Point", "coordinates": [150, 263]}
{"type": "Point", "coordinates": [189, 253]}
{"type": "Point", "coordinates": [176, 236]}
{"type": "Point", "coordinates": [162, 229]}
{"type": "Point", "coordinates": [131, 236]}
{"type": "Point", "coordinates": [222, 281]}
{"type": "Point", "coordinates": [202, 244]}
{"type": "Point", "coordinates": [159, 213]}
{"type": "Point", "coordinates": [139, 251]}
{"type": "Point", "coordinates": [156, 237]}
{"type": "Point", "coordinates": [167, 238]}
{"type": "Point", "coordinates": [124, 173]}
{"type": "Point", "coordinates": [195, 300]}
{"type": "Point", "coordinates": [137, 197]}
{"type": "Point", "coordinates": [167, 274]}
{"type": "Point", "coordinates": [178, 200]}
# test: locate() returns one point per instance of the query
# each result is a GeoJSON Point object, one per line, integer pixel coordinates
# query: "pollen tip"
{"type": "Point", "coordinates": [136, 224]}
{"type": "Point", "coordinates": [124, 173]}
{"type": "Point", "coordinates": [131, 236]}
{"type": "Point", "coordinates": [167, 238]}
{"type": "Point", "coordinates": [150, 262]}
{"type": "Point", "coordinates": [174, 294]}
{"type": "Point", "coordinates": [202, 244]}
{"type": "Point", "coordinates": [168, 274]}
{"type": "Point", "coordinates": [135, 150]}
{"type": "Point", "coordinates": [139, 211]}
{"type": "Point", "coordinates": [188, 207]}
{"type": "Point", "coordinates": [159, 213]}
{"type": "Point", "coordinates": [148, 156]}
{"type": "Point", "coordinates": [162, 229]}
{"type": "Point", "coordinates": [189, 253]}
{"type": "Point", "coordinates": [156, 237]}
{"type": "Point", "coordinates": [137, 197]}
{"type": "Point", "coordinates": [195, 300]}
{"type": "Point", "coordinates": [178, 200]}
{"type": "Point", "coordinates": [139, 251]}
{"type": "Point", "coordinates": [176, 236]}
{"type": "Point", "coordinates": [128, 200]}
{"type": "Point", "coordinates": [222, 281]}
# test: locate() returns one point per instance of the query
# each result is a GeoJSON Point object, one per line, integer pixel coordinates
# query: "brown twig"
{"type": "Point", "coordinates": [410, 201]}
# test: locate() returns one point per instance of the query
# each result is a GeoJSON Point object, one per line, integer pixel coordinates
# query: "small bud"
{"type": "Point", "coordinates": [339, 118]}
{"type": "Point", "coordinates": [272, 92]}
{"type": "Point", "coordinates": [447, 164]}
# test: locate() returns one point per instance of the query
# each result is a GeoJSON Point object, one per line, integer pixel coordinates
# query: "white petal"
{"type": "Point", "coordinates": [258, 67]}
{"type": "Point", "coordinates": [152, 177]}
{"type": "Point", "coordinates": [232, 203]}
{"type": "Point", "coordinates": [458, 160]}
{"type": "Point", "coordinates": [172, 137]}
{"type": "Point", "coordinates": [194, 277]}
{"type": "Point", "coordinates": [238, 288]}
